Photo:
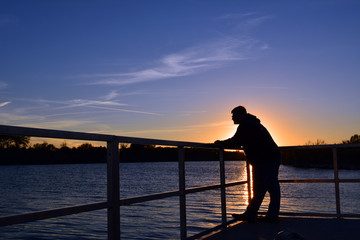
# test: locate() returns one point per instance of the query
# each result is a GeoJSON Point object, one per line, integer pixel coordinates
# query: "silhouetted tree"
{"type": "Point", "coordinates": [85, 146]}
{"type": "Point", "coordinates": [353, 139]}
{"type": "Point", "coordinates": [14, 141]}
{"type": "Point", "coordinates": [317, 142]}
{"type": "Point", "coordinates": [141, 146]}
{"type": "Point", "coordinates": [44, 146]}
{"type": "Point", "coordinates": [64, 146]}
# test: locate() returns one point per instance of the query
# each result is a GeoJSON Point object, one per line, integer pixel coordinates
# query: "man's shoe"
{"type": "Point", "coordinates": [244, 217]}
{"type": "Point", "coordinates": [267, 220]}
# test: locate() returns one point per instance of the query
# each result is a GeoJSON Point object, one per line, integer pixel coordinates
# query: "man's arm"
{"type": "Point", "coordinates": [233, 142]}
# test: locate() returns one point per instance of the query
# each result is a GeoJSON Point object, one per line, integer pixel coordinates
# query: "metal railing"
{"type": "Point", "coordinates": [114, 202]}
{"type": "Point", "coordinates": [336, 180]}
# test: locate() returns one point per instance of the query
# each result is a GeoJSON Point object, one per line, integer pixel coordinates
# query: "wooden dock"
{"type": "Point", "coordinates": [308, 228]}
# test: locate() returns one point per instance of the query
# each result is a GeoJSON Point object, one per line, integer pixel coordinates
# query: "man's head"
{"type": "Point", "coordinates": [238, 114]}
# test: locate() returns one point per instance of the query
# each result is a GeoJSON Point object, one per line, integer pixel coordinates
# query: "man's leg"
{"type": "Point", "coordinates": [274, 191]}
{"type": "Point", "coordinates": [260, 186]}
{"type": "Point", "coordinates": [274, 206]}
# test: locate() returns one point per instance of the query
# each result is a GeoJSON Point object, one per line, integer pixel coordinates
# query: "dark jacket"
{"type": "Point", "coordinates": [257, 142]}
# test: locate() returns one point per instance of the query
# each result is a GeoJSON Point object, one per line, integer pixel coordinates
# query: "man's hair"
{"type": "Point", "coordinates": [241, 110]}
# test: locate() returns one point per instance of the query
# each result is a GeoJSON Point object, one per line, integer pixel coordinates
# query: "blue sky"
{"type": "Point", "coordinates": [175, 69]}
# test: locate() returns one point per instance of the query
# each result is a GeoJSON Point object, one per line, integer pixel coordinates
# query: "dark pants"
{"type": "Point", "coordinates": [265, 179]}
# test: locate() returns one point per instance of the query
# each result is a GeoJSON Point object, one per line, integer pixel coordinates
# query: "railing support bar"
{"type": "Point", "coordinates": [113, 190]}
{"type": "Point", "coordinates": [182, 197]}
{"type": "Point", "coordinates": [223, 190]}
{"type": "Point", "coordinates": [336, 181]}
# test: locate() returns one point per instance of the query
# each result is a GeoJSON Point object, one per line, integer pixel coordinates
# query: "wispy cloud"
{"type": "Point", "coordinates": [88, 103]}
{"type": "Point", "coordinates": [245, 21]}
{"type": "Point", "coordinates": [256, 21]}
{"type": "Point", "coordinates": [193, 60]}
{"type": "Point", "coordinates": [105, 105]}
{"type": "Point", "coordinates": [3, 104]}
{"type": "Point", "coordinates": [111, 95]}
{"type": "Point", "coordinates": [114, 94]}
{"type": "Point", "coordinates": [73, 103]}
{"type": "Point", "coordinates": [126, 110]}
{"type": "Point", "coordinates": [56, 105]}
{"type": "Point", "coordinates": [183, 63]}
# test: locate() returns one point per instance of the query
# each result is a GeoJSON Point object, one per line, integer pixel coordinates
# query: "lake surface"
{"type": "Point", "coordinates": [40, 187]}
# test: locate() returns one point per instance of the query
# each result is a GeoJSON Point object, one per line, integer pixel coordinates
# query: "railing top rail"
{"type": "Point", "coordinates": [49, 133]}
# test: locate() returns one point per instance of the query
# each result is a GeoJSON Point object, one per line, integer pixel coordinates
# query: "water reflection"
{"type": "Point", "coordinates": [28, 188]}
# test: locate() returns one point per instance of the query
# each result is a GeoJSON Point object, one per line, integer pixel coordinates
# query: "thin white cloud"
{"type": "Point", "coordinates": [245, 21]}
{"type": "Point", "coordinates": [53, 105]}
{"type": "Point", "coordinates": [111, 95]}
{"type": "Point", "coordinates": [84, 103]}
{"type": "Point", "coordinates": [3, 104]}
{"type": "Point", "coordinates": [106, 105]}
{"type": "Point", "coordinates": [125, 110]}
{"type": "Point", "coordinates": [76, 103]}
{"type": "Point", "coordinates": [187, 62]}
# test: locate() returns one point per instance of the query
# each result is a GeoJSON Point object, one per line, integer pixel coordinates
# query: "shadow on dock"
{"type": "Point", "coordinates": [308, 228]}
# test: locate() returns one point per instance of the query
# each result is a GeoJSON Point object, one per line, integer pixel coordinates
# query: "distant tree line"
{"type": "Point", "coordinates": [354, 139]}
{"type": "Point", "coordinates": [18, 150]}
{"type": "Point", "coordinates": [14, 141]}
{"type": "Point", "coordinates": [348, 158]}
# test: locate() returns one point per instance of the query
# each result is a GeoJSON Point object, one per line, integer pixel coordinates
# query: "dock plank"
{"type": "Point", "coordinates": [309, 228]}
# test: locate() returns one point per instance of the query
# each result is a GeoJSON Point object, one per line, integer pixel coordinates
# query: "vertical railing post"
{"type": "Point", "coordinates": [336, 181]}
{"type": "Point", "coordinates": [248, 179]}
{"type": "Point", "coordinates": [223, 190]}
{"type": "Point", "coordinates": [182, 198]}
{"type": "Point", "coordinates": [113, 189]}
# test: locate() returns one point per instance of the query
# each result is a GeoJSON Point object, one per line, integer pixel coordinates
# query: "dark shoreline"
{"type": "Point", "coordinates": [347, 158]}
{"type": "Point", "coordinates": [98, 155]}
{"type": "Point", "coordinates": [300, 158]}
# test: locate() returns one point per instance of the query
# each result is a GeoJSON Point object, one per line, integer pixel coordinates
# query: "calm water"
{"type": "Point", "coordinates": [34, 188]}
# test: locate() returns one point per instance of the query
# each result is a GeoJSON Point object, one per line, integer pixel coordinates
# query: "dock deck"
{"type": "Point", "coordinates": [308, 228]}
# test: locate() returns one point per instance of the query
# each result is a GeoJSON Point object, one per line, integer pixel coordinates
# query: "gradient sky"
{"type": "Point", "coordinates": [175, 69]}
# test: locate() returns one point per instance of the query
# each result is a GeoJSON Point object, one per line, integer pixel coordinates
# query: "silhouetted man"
{"type": "Point", "coordinates": [264, 156]}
